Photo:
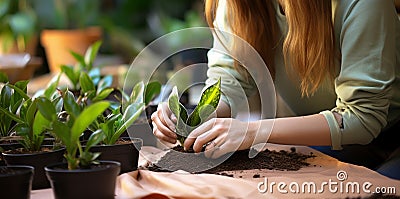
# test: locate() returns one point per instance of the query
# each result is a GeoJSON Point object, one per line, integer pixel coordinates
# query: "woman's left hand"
{"type": "Point", "coordinates": [224, 135]}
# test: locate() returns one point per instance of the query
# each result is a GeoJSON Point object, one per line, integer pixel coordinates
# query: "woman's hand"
{"type": "Point", "coordinates": [224, 135]}
{"type": "Point", "coordinates": [164, 123]}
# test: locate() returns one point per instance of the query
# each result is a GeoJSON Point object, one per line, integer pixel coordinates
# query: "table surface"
{"type": "Point", "coordinates": [326, 169]}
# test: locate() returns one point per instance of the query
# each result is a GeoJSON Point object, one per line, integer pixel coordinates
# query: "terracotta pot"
{"type": "Point", "coordinates": [96, 182]}
{"type": "Point", "coordinates": [38, 161]}
{"type": "Point", "coordinates": [16, 181]}
{"type": "Point", "coordinates": [59, 43]}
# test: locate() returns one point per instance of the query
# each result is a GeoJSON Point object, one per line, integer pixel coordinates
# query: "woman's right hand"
{"type": "Point", "coordinates": [163, 121]}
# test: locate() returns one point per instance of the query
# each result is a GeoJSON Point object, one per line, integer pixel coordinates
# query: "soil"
{"type": "Point", "coordinates": [25, 151]}
{"type": "Point", "coordinates": [268, 159]}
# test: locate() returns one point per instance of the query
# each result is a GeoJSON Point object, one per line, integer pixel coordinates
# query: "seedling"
{"type": "Point", "coordinates": [187, 123]}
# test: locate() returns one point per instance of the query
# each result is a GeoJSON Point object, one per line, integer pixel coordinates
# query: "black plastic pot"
{"type": "Point", "coordinates": [126, 154]}
{"type": "Point", "coordinates": [96, 182]}
{"type": "Point", "coordinates": [16, 181]}
{"type": "Point", "coordinates": [38, 161]}
{"type": "Point", "coordinates": [6, 147]}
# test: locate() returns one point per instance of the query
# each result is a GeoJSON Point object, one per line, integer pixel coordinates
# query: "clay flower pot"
{"type": "Point", "coordinates": [59, 43]}
{"type": "Point", "coordinates": [95, 182]}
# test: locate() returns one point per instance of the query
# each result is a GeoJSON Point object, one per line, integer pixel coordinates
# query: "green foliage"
{"type": "Point", "coordinates": [186, 123]}
{"type": "Point", "coordinates": [12, 97]}
{"type": "Point", "coordinates": [19, 113]}
{"type": "Point", "coordinates": [123, 116]}
{"type": "Point", "coordinates": [18, 23]}
{"type": "Point", "coordinates": [69, 131]}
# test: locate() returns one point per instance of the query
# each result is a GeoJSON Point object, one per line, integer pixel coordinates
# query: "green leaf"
{"type": "Point", "coordinates": [23, 85]}
{"type": "Point", "coordinates": [3, 78]}
{"type": "Point", "coordinates": [46, 108]}
{"type": "Point", "coordinates": [137, 93]}
{"type": "Point", "coordinates": [6, 94]}
{"type": "Point", "coordinates": [22, 24]}
{"type": "Point", "coordinates": [180, 113]}
{"type": "Point", "coordinates": [19, 91]}
{"type": "Point", "coordinates": [104, 83]}
{"type": "Point", "coordinates": [70, 73]}
{"type": "Point", "coordinates": [79, 58]}
{"type": "Point", "coordinates": [52, 86]}
{"type": "Point", "coordinates": [175, 106]}
{"type": "Point", "coordinates": [70, 105]}
{"type": "Point", "coordinates": [103, 94]}
{"type": "Point", "coordinates": [11, 115]}
{"type": "Point", "coordinates": [95, 138]}
{"type": "Point", "coordinates": [88, 115]}
{"type": "Point", "coordinates": [210, 96]}
{"type": "Point", "coordinates": [132, 112]}
{"type": "Point", "coordinates": [40, 124]}
{"type": "Point", "coordinates": [30, 113]}
{"type": "Point", "coordinates": [152, 90]}
{"type": "Point", "coordinates": [62, 131]}
{"type": "Point", "coordinates": [86, 83]}
{"type": "Point", "coordinates": [91, 54]}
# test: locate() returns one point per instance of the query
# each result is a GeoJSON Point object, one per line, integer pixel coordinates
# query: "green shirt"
{"type": "Point", "coordinates": [366, 90]}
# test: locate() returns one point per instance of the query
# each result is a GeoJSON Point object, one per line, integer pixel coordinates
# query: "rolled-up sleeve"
{"type": "Point", "coordinates": [368, 60]}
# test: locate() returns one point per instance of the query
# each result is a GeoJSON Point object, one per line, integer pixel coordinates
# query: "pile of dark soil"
{"type": "Point", "coordinates": [268, 159]}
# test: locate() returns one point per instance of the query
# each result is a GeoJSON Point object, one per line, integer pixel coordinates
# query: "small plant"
{"type": "Point", "coordinates": [70, 130]}
{"type": "Point", "coordinates": [124, 115]}
{"type": "Point", "coordinates": [186, 123]}
{"type": "Point", "coordinates": [19, 114]}
{"type": "Point", "coordinates": [11, 99]}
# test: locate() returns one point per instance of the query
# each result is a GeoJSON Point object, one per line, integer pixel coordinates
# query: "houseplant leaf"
{"type": "Point", "coordinates": [152, 89]}
{"type": "Point", "coordinates": [79, 58]}
{"type": "Point", "coordinates": [46, 108]}
{"type": "Point", "coordinates": [103, 94]}
{"type": "Point", "coordinates": [70, 105]}
{"type": "Point", "coordinates": [86, 83]}
{"type": "Point", "coordinates": [137, 93]}
{"type": "Point", "coordinates": [211, 97]}
{"type": "Point", "coordinates": [70, 73]}
{"type": "Point", "coordinates": [88, 115]}
{"type": "Point", "coordinates": [90, 54]}
{"type": "Point", "coordinates": [104, 83]}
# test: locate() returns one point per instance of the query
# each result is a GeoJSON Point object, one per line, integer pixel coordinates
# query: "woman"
{"type": "Point", "coordinates": [351, 45]}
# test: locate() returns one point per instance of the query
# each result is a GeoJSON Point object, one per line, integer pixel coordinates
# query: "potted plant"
{"type": "Point", "coordinates": [82, 176]}
{"type": "Point", "coordinates": [85, 78]}
{"type": "Point", "coordinates": [30, 128]}
{"type": "Point", "coordinates": [18, 27]}
{"type": "Point", "coordinates": [125, 149]}
{"type": "Point", "coordinates": [186, 123]}
{"type": "Point", "coordinates": [16, 181]}
{"type": "Point", "coordinates": [70, 27]}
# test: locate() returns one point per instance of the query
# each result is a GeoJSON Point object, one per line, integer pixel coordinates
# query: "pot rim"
{"type": "Point", "coordinates": [32, 154]}
{"type": "Point", "coordinates": [49, 168]}
{"type": "Point", "coordinates": [28, 169]}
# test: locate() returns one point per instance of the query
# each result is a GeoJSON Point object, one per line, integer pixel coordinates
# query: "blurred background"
{"type": "Point", "coordinates": [37, 35]}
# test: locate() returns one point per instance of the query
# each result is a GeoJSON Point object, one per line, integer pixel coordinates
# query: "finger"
{"type": "Point", "coordinates": [197, 132]}
{"type": "Point", "coordinates": [164, 114]}
{"type": "Point", "coordinates": [204, 139]}
{"type": "Point", "coordinates": [162, 136]}
{"type": "Point", "coordinates": [162, 128]}
{"type": "Point", "coordinates": [213, 145]}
